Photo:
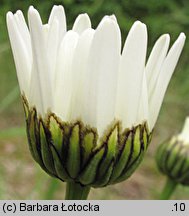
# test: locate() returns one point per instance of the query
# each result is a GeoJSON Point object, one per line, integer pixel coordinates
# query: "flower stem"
{"type": "Point", "coordinates": [168, 190]}
{"type": "Point", "coordinates": [74, 191]}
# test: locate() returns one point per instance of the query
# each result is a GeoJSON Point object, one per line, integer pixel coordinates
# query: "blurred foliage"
{"type": "Point", "coordinates": [20, 176]}
{"type": "Point", "coordinates": [160, 16]}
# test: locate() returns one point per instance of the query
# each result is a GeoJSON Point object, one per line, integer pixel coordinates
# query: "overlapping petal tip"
{"type": "Point", "coordinates": [40, 85]}
{"type": "Point", "coordinates": [23, 28]}
{"type": "Point", "coordinates": [58, 13]}
{"type": "Point", "coordinates": [110, 26]}
{"type": "Point", "coordinates": [112, 17]}
{"type": "Point", "coordinates": [11, 25]}
{"type": "Point", "coordinates": [20, 19]}
{"type": "Point", "coordinates": [81, 23]}
{"type": "Point", "coordinates": [108, 19]}
{"type": "Point", "coordinates": [157, 56]}
{"type": "Point", "coordinates": [164, 77]}
{"type": "Point", "coordinates": [21, 51]}
{"type": "Point", "coordinates": [34, 19]}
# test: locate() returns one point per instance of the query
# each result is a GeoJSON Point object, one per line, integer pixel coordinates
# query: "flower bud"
{"type": "Point", "coordinates": [173, 157]}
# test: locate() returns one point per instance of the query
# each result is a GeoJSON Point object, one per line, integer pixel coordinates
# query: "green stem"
{"type": "Point", "coordinates": [74, 191]}
{"type": "Point", "coordinates": [52, 188]}
{"type": "Point", "coordinates": [168, 190]}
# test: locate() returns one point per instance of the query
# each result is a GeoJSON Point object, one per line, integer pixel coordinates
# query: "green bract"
{"type": "Point", "coordinates": [173, 160]}
{"type": "Point", "coordinates": [73, 151]}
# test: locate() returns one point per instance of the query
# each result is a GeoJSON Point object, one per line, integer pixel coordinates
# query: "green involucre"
{"type": "Point", "coordinates": [73, 151]}
{"type": "Point", "coordinates": [172, 159]}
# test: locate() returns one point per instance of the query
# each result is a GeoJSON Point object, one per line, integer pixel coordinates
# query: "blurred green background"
{"type": "Point", "coordinates": [20, 176]}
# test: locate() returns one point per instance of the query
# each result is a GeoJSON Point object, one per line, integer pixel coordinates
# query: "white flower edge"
{"type": "Point", "coordinates": [184, 135]}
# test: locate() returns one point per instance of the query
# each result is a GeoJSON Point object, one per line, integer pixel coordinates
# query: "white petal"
{"type": "Point", "coordinates": [101, 77]}
{"type": "Point", "coordinates": [113, 17]}
{"type": "Point", "coordinates": [164, 78]}
{"type": "Point", "coordinates": [52, 49]}
{"type": "Point", "coordinates": [184, 135]}
{"type": "Point", "coordinates": [23, 29]}
{"type": "Point", "coordinates": [131, 75]}
{"type": "Point", "coordinates": [22, 58]}
{"type": "Point", "coordinates": [155, 61]}
{"type": "Point", "coordinates": [59, 14]}
{"type": "Point", "coordinates": [41, 89]}
{"type": "Point", "coordinates": [143, 112]}
{"type": "Point", "coordinates": [81, 23]}
{"type": "Point", "coordinates": [64, 76]}
{"type": "Point", "coordinates": [45, 30]}
{"type": "Point", "coordinates": [80, 62]}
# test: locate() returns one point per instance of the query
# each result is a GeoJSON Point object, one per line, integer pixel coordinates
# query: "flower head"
{"type": "Point", "coordinates": [90, 107]}
{"type": "Point", "coordinates": [173, 156]}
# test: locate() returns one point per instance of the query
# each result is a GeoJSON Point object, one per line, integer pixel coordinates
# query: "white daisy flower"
{"type": "Point", "coordinates": [90, 106]}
